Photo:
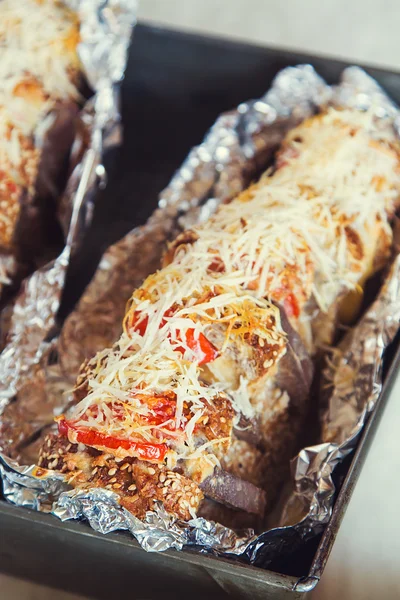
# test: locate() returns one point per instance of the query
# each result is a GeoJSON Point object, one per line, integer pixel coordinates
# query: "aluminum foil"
{"type": "Point", "coordinates": [237, 146]}
{"type": "Point", "coordinates": [105, 29]}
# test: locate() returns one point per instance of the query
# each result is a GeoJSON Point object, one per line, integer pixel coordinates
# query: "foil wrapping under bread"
{"type": "Point", "coordinates": [28, 323]}
{"type": "Point", "coordinates": [236, 148]}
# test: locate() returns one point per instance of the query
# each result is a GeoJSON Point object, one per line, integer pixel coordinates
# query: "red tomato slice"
{"type": "Point", "coordinates": [289, 301]}
{"type": "Point", "coordinates": [137, 324]}
{"type": "Point", "coordinates": [203, 349]}
{"type": "Point", "coordinates": [291, 306]}
{"type": "Point", "coordinates": [162, 409]}
{"type": "Point", "coordinates": [96, 439]}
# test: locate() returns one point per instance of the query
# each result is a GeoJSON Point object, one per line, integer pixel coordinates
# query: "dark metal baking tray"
{"type": "Point", "coordinates": [175, 86]}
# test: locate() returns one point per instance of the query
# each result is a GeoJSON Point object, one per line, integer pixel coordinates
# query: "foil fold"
{"type": "Point", "coordinates": [105, 31]}
{"type": "Point", "coordinates": [237, 146]}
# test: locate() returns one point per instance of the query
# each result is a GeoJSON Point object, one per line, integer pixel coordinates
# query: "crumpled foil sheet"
{"type": "Point", "coordinates": [105, 28]}
{"type": "Point", "coordinates": [233, 152]}
{"type": "Point", "coordinates": [233, 145]}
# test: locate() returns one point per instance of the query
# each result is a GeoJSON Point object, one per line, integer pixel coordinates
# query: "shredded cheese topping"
{"type": "Point", "coordinates": [38, 58]}
{"type": "Point", "coordinates": [38, 67]}
{"type": "Point", "coordinates": [301, 236]}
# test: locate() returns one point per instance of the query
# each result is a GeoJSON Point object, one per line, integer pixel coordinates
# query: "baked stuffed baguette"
{"type": "Point", "coordinates": [200, 403]}
{"type": "Point", "coordinates": [40, 79]}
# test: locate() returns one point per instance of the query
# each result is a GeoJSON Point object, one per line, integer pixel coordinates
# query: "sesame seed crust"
{"type": "Point", "coordinates": [138, 483]}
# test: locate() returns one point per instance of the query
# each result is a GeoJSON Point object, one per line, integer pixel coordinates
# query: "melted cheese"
{"type": "Point", "coordinates": [38, 42]}
{"type": "Point", "coordinates": [302, 233]}
{"type": "Point", "coordinates": [38, 66]}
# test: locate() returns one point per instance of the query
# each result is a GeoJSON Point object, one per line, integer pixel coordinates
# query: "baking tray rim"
{"type": "Point", "coordinates": [284, 51]}
{"type": "Point", "coordinates": [271, 578]}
